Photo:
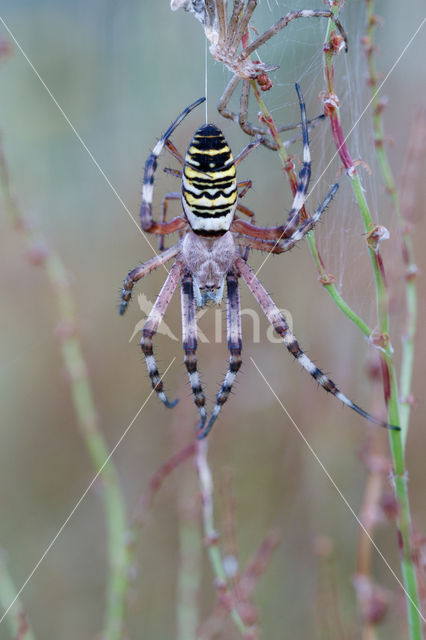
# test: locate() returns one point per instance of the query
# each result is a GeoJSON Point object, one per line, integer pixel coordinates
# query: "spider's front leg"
{"type": "Point", "coordinates": [277, 320]}
{"type": "Point", "coordinates": [143, 270]}
{"type": "Point", "coordinates": [189, 336]}
{"type": "Point", "coordinates": [151, 326]}
{"type": "Point", "coordinates": [147, 222]}
{"type": "Point", "coordinates": [233, 323]}
{"type": "Point", "coordinates": [260, 237]}
{"type": "Point", "coordinates": [283, 231]}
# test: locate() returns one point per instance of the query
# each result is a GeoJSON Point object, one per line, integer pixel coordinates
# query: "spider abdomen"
{"type": "Point", "coordinates": [209, 184]}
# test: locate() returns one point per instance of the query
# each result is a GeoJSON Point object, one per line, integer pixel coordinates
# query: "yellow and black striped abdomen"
{"type": "Point", "coordinates": [209, 184]}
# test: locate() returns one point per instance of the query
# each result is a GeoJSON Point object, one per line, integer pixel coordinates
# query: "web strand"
{"type": "Point", "coordinates": [206, 53]}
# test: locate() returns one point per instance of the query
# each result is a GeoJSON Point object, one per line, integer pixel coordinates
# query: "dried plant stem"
{"type": "Point", "coordinates": [17, 620]}
{"type": "Point", "coordinates": [406, 240]}
{"type": "Point", "coordinates": [137, 520]}
{"type": "Point", "coordinates": [211, 536]}
{"type": "Point", "coordinates": [373, 600]}
{"type": "Point", "coordinates": [84, 406]}
{"type": "Point", "coordinates": [190, 546]}
{"type": "Point", "coordinates": [389, 378]}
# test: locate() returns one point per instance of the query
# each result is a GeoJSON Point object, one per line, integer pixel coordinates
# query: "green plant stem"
{"type": "Point", "coordinates": [325, 279]}
{"type": "Point", "coordinates": [84, 406]}
{"type": "Point", "coordinates": [407, 358]}
{"type": "Point", "coordinates": [17, 620]}
{"type": "Point", "coordinates": [389, 378]}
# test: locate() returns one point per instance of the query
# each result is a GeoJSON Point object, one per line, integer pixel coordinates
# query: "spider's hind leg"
{"type": "Point", "coordinates": [151, 325]}
{"type": "Point", "coordinates": [233, 321]}
{"type": "Point", "coordinates": [189, 336]}
{"type": "Point", "coordinates": [280, 325]}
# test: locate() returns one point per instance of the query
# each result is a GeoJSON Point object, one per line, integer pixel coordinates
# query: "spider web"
{"type": "Point", "coordinates": [298, 51]}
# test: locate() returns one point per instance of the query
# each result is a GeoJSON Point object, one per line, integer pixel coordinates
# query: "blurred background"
{"type": "Point", "coordinates": [122, 72]}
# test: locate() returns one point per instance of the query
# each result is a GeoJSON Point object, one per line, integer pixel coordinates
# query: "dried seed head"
{"type": "Point", "coordinates": [264, 81]}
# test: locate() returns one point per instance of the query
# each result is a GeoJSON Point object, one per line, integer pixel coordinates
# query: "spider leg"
{"type": "Point", "coordinates": [283, 22]}
{"type": "Point", "coordinates": [151, 326]}
{"type": "Point", "coordinates": [233, 321]}
{"type": "Point", "coordinates": [244, 153]}
{"type": "Point", "coordinates": [281, 327]}
{"type": "Point", "coordinates": [245, 210]}
{"type": "Point", "coordinates": [308, 224]}
{"type": "Point", "coordinates": [242, 27]}
{"type": "Point", "coordinates": [220, 10]}
{"type": "Point", "coordinates": [173, 172]}
{"type": "Point", "coordinates": [312, 123]}
{"type": "Point", "coordinates": [164, 205]}
{"type": "Point", "coordinates": [189, 335]}
{"type": "Point", "coordinates": [244, 185]}
{"type": "Point", "coordinates": [260, 245]}
{"type": "Point", "coordinates": [263, 233]}
{"type": "Point", "coordinates": [280, 246]}
{"type": "Point", "coordinates": [265, 139]}
{"type": "Point", "coordinates": [232, 25]}
{"type": "Point", "coordinates": [249, 127]}
{"type": "Point", "coordinates": [249, 213]}
{"type": "Point", "coordinates": [175, 153]}
{"type": "Point", "coordinates": [270, 233]}
{"type": "Point", "coordinates": [266, 234]}
{"type": "Point", "coordinates": [147, 223]}
{"type": "Point", "coordinates": [304, 173]}
{"type": "Point", "coordinates": [143, 270]}
{"type": "Point", "coordinates": [225, 98]}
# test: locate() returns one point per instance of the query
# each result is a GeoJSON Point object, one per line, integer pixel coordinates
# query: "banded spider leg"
{"type": "Point", "coordinates": [189, 337]}
{"type": "Point", "coordinates": [280, 246]}
{"type": "Point", "coordinates": [233, 327]}
{"type": "Point", "coordinates": [147, 221]}
{"type": "Point", "coordinates": [233, 314]}
{"type": "Point", "coordinates": [299, 198]}
{"type": "Point", "coordinates": [150, 328]}
{"type": "Point", "coordinates": [280, 325]}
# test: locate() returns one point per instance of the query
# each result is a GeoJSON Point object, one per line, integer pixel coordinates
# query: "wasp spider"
{"type": "Point", "coordinates": [212, 250]}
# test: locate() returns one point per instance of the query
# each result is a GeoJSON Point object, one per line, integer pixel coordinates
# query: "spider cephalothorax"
{"type": "Point", "coordinates": [213, 249]}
